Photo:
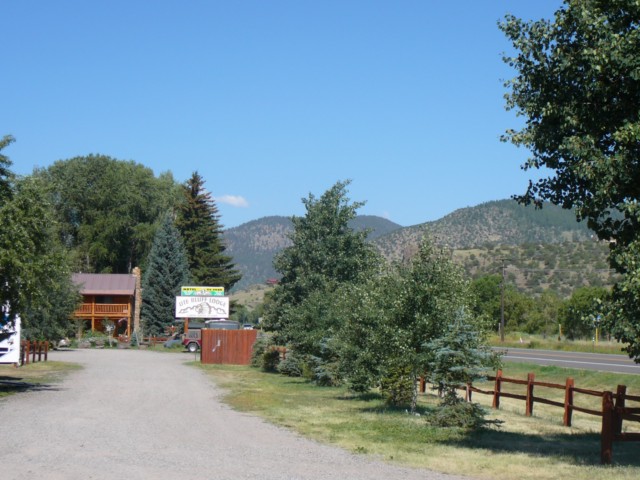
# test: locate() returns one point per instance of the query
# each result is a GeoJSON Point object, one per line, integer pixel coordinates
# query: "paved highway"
{"type": "Point", "coordinates": [588, 361]}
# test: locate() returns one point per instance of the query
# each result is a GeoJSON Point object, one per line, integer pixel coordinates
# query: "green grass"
{"type": "Point", "coordinates": [537, 447]}
{"type": "Point", "coordinates": [552, 343]}
{"type": "Point", "coordinates": [33, 376]}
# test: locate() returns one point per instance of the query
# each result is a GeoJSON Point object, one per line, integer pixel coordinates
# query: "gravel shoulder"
{"type": "Point", "coordinates": [137, 414]}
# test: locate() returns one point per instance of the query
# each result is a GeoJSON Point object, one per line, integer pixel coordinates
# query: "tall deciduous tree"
{"type": "Point", "coordinates": [34, 266]}
{"type": "Point", "coordinates": [108, 209]}
{"type": "Point", "coordinates": [199, 224]}
{"type": "Point", "coordinates": [167, 270]}
{"type": "Point", "coordinates": [578, 86]}
{"type": "Point", "coordinates": [325, 256]}
{"type": "Point", "coordinates": [583, 311]}
{"type": "Point", "coordinates": [390, 320]}
{"type": "Point", "coordinates": [6, 175]}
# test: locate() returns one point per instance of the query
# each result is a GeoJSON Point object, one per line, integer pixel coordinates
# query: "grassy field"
{"type": "Point", "coordinates": [34, 376]}
{"type": "Point", "coordinates": [516, 340]}
{"type": "Point", "coordinates": [536, 447]}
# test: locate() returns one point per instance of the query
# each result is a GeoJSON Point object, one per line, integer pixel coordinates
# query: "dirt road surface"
{"type": "Point", "coordinates": [132, 414]}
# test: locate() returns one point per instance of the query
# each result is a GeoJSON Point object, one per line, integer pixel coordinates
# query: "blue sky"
{"type": "Point", "coordinates": [272, 100]}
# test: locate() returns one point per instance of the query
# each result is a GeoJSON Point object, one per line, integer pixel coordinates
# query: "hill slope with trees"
{"type": "Point", "coordinates": [544, 247]}
{"type": "Point", "coordinates": [254, 244]}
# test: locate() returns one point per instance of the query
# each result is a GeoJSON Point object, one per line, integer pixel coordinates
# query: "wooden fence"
{"type": "Point", "coordinates": [614, 406]}
{"type": "Point", "coordinates": [227, 346]}
{"type": "Point", "coordinates": [153, 341]}
{"type": "Point", "coordinates": [36, 350]}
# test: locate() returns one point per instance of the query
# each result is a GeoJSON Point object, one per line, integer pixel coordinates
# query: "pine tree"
{"type": "Point", "coordinates": [167, 271]}
{"type": "Point", "coordinates": [199, 224]}
{"type": "Point", "coordinates": [326, 255]}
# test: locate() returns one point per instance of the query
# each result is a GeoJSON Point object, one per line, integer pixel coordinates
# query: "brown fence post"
{"type": "Point", "coordinates": [606, 435]}
{"type": "Point", "coordinates": [568, 402]}
{"type": "Point", "coordinates": [34, 347]}
{"type": "Point", "coordinates": [423, 385]}
{"type": "Point", "coordinates": [468, 393]}
{"type": "Point", "coordinates": [40, 345]}
{"type": "Point", "coordinates": [496, 390]}
{"type": "Point", "coordinates": [621, 393]}
{"type": "Point", "coordinates": [27, 349]}
{"type": "Point", "coordinates": [529, 407]}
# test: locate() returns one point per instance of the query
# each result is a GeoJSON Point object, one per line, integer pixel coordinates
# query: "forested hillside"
{"type": "Point", "coordinates": [541, 249]}
{"type": "Point", "coordinates": [533, 268]}
{"type": "Point", "coordinates": [254, 244]}
{"type": "Point", "coordinates": [501, 222]}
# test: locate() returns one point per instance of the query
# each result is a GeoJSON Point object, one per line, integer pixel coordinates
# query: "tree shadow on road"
{"type": "Point", "coordinates": [11, 385]}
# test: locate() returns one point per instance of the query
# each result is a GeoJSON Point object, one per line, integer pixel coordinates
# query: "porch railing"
{"type": "Point", "coordinates": [106, 309]}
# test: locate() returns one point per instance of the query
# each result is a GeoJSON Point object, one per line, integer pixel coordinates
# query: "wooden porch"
{"type": "Point", "coordinates": [96, 313]}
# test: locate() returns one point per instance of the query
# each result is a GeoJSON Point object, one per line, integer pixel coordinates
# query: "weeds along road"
{"type": "Point", "coordinates": [137, 414]}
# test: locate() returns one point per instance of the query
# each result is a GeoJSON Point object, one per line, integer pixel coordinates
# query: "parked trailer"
{"type": "Point", "coordinates": [193, 338]}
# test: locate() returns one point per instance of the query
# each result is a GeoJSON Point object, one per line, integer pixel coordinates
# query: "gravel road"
{"type": "Point", "coordinates": [132, 414]}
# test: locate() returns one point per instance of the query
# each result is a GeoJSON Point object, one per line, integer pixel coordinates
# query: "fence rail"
{"type": "Point", "coordinates": [37, 350]}
{"type": "Point", "coordinates": [614, 406]}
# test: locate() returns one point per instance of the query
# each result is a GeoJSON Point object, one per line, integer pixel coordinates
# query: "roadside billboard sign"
{"type": "Point", "coordinates": [202, 307]}
{"type": "Point", "coordinates": [202, 291]}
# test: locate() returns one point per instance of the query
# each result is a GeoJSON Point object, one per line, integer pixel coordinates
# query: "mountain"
{"type": "Point", "coordinates": [500, 222]}
{"type": "Point", "coordinates": [254, 244]}
{"type": "Point", "coordinates": [479, 238]}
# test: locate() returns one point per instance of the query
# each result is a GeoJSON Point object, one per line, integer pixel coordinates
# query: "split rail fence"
{"type": "Point", "coordinates": [614, 406]}
{"type": "Point", "coordinates": [37, 350]}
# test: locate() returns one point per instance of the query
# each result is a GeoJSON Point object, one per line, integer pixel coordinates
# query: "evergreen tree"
{"type": "Point", "coordinates": [326, 255]}
{"type": "Point", "coordinates": [459, 357]}
{"type": "Point", "coordinates": [199, 224]}
{"type": "Point", "coordinates": [167, 271]}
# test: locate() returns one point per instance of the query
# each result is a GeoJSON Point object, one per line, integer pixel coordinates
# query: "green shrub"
{"type": "Point", "coordinates": [465, 415]}
{"type": "Point", "coordinates": [397, 386]}
{"type": "Point", "coordinates": [259, 347]}
{"type": "Point", "coordinates": [321, 372]}
{"type": "Point", "coordinates": [270, 360]}
{"type": "Point", "coordinates": [292, 365]}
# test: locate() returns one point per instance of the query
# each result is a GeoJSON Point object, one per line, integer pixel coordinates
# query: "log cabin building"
{"type": "Point", "coordinates": [112, 297]}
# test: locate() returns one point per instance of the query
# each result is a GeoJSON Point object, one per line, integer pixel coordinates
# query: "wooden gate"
{"type": "Point", "coordinates": [227, 346]}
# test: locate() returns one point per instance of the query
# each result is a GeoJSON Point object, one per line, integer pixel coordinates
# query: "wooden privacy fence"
{"type": "Point", "coordinates": [227, 346]}
{"type": "Point", "coordinates": [35, 349]}
{"type": "Point", "coordinates": [614, 406]}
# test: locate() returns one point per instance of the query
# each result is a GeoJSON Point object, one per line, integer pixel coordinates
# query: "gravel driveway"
{"type": "Point", "coordinates": [132, 414]}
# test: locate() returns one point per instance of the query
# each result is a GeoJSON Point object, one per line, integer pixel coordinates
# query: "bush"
{"type": "Point", "coordinates": [259, 347]}
{"type": "Point", "coordinates": [397, 387]}
{"type": "Point", "coordinates": [292, 365]}
{"type": "Point", "coordinates": [270, 360]}
{"type": "Point", "coordinates": [465, 415]}
{"type": "Point", "coordinates": [321, 372]}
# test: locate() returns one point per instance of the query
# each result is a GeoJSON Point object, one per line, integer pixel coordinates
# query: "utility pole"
{"type": "Point", "coordinates": [502, 302]}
